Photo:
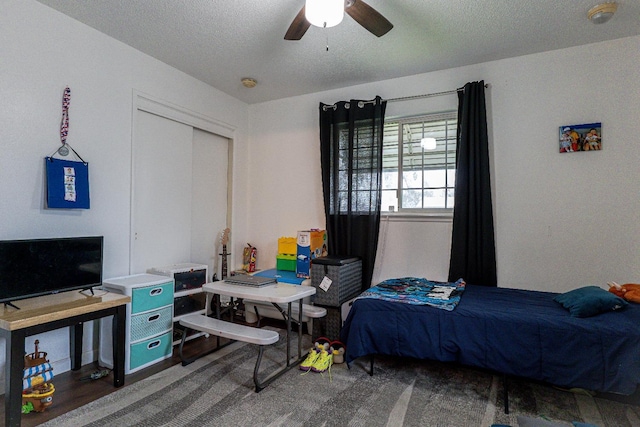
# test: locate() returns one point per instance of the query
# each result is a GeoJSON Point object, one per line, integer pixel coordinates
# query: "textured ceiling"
{"type": "Point", "coordinates": [220, 42]}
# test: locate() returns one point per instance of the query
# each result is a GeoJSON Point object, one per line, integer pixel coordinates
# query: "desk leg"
{"type": "Point", "coordinates": [14, 366]}
{"type": "Point", "coordinates": [119, 322]}
{"type": "Point", "coordinates": [75, 341]}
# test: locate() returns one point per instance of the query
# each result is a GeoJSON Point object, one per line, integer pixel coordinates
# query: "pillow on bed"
{"type": "Point", "coordinates": [589, 301]}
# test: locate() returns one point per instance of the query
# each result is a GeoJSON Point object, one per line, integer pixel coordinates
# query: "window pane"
{"type": "Point", "coordinates": [412, 156]}
{"type": "Point", "coordinates": [434, 198]}
{"type": "Point", "coordinates": [343, 201]}
{"type": "Point", "coordinates": [434, 179]}
{"type": "Point", "coordinates": [389, 200]}
{"type": "Point", "coordinates": [362, 180]}
{"type": "Point", "coordinates": [390, 179]}
{"type": "Point", "coordinates": [412, 199]}
{"type": "Point", "coordinates": [412, 179]}
{"type": "Point", "coordinates": [343, 177]}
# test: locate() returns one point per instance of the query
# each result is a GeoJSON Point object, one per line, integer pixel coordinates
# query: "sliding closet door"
{"type": "Point", "coordinates": [209, 192]}
{"type": "Point", "coordinates": [178, 205]}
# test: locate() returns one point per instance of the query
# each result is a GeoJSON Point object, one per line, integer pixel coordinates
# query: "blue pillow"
{"type": "Point", "coordinates": [589, 301]}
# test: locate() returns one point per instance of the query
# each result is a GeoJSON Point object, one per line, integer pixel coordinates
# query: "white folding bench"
{"type": "Point", "coordinates": [232, 331]}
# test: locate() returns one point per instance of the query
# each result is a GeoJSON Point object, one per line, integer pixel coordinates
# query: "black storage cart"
{"type": "Point", "coordinates": [343, 274]}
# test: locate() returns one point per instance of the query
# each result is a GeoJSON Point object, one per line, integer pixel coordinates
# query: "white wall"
{"type": "Point", "coordinates": [42, 51]}
{"type": "Point", "coordinates": [562, 220]}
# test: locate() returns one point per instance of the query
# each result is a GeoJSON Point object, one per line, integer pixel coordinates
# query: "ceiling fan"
{"type": "Point", "coordinates": [363, 14]}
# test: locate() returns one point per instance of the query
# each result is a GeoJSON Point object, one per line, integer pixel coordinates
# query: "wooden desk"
{"type": "Point", "coordinates": [47, 313]}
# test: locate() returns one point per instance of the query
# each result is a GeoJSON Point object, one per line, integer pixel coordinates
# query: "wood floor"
{"type": "Point", "coordinates": [72, 391]}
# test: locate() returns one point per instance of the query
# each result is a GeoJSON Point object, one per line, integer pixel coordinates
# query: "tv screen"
{"type": "Point", "coordinates": [36, 267]}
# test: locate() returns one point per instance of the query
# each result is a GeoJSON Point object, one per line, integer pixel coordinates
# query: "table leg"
{"type": "Point", "coordinates": [218, 301]}
{"type": "Point", "coordinates": [260, 385]}
{"type": "Point", "coordinates": [299, 328]}
{"type": "Point", "coordinates": [288, 333]}
{"type": "Point", "coordinates": [119, 342]}
{"type": "Point", "coordinates": [14, 367]}
{"type": "Point", "coordinates": [75, 342]}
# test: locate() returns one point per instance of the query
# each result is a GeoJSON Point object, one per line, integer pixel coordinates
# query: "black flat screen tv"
{"type": "Point", "coordinates": [30, 268]}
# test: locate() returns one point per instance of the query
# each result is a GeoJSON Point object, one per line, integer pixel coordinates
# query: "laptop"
{"type": "Point", "coordinates": [246, 280]}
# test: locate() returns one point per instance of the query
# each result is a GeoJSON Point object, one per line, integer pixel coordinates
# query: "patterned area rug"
{"type": "Point", "coordinates": [217, 390]}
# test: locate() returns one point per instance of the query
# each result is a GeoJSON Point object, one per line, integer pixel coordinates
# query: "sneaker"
{"type": "Point", "coordinates": [323, 362]}
{"type": "Point", "coordinates": [307, 363]}
{"type": "Point", "coordinates": [337, 349]}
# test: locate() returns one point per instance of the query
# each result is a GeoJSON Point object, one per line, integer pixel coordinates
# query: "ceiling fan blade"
{"type": "Point", "coordinates": [298, 27]}
{"type": "Point", "coordinates": [369, 18]}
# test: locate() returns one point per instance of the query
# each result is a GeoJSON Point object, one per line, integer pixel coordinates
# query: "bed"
{"type": "Point", "coordinates": [510, 331]}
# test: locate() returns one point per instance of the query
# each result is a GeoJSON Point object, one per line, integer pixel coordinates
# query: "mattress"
{"type": "Point", "coordinates": [510, 331]}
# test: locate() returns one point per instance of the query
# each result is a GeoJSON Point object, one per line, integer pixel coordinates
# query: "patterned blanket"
{"type": "Point", "coordinates": [419, 291]}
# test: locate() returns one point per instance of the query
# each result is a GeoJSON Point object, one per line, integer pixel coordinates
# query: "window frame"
{"type": "Point", "coordinates": [435, 214]}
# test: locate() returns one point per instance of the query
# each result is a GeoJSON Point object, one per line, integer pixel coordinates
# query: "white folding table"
{"type": "Point", "coordinates": [278, 294]}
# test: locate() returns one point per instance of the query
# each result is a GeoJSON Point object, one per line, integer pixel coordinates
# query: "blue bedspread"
{"type": "Point", "coordinates": [511, 331]}
{"type": "Point", "coordinates": [414, 290]}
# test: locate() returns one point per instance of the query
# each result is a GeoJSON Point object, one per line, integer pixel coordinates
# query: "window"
{"type": "Point", "coordinates": [418, 172]}
{"type": "Point", "coordinates": [358, 166]}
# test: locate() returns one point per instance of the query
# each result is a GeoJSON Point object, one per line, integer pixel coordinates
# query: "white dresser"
{"type": "Point", "coordinates": [149, 328]}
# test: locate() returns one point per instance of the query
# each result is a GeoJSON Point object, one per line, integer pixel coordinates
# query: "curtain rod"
{"type": "Point", "coordinates": [404, 98]}
{"type": "Point", "coordinates": [429, 95]}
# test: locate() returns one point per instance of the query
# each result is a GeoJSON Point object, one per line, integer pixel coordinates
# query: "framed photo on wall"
{"type": "Point", "coordinates": [584, 137]}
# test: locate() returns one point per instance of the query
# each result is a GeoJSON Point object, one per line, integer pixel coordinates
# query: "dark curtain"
{"type": "Point", "coordinates": [473, 254]}
{"type": "Point", "coordinates": [351, 155]}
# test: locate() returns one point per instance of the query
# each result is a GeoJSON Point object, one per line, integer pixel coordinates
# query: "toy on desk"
{"type": "Point", "coordinates": [249, 256]}
{"type": "Point", "coordinates": [286, 257]}
{"type": "Point", "coordinates": [37, 394]}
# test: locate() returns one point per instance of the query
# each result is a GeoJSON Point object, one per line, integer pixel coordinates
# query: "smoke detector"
{"type": "Point", "coordinates": [602, 13]}
{"type": "Point", "coordinates": [249, 82]}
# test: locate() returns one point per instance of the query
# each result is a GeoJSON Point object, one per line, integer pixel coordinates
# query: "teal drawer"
{"type": "Point", "coordinates": [150, 350]}
{"type": "Point", "coordinates": [151, 323]}
{"type": "Point", "coordinates": [150, 297]}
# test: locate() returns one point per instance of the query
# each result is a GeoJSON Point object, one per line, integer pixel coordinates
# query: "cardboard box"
{"type": "Point", "coordinates": [311, 244]}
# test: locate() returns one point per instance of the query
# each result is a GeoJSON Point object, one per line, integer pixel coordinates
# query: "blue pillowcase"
{"type": "Point", "coordinates": [589, 301]}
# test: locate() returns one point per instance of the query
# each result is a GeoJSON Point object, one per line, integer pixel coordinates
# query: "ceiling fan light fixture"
{"type": "Point", "coordinates": [324, 13]}
{"type": "Point", "coordinates": [602, 13]}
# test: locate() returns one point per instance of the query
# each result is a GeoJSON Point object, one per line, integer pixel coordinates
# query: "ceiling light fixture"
{"type": "Point", "coordinates": [602, 13]}
{"type": "Point", "coordinates": [249, 82]}
{"type": "Point", "coordinates": [324, 13]}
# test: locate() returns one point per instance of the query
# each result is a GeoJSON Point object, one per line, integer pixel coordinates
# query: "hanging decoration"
{"type": "Point", "coordinates": [67, 180]}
